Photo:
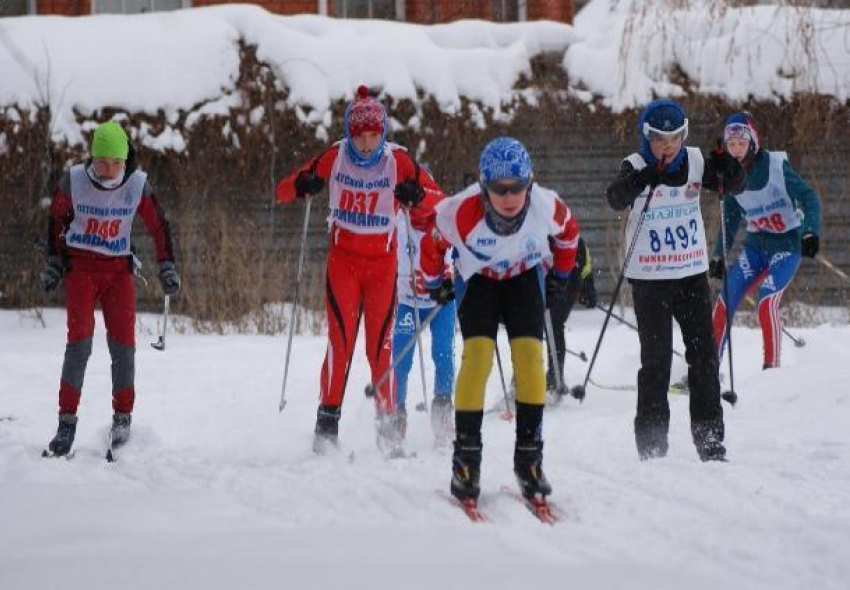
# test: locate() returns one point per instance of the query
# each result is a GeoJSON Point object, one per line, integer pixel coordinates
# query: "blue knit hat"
{"type": "Point", "coordinates": [664, 116]}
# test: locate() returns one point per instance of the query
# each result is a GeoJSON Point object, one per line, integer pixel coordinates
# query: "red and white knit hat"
{"type": "Point", "coordinates": [365, 114]}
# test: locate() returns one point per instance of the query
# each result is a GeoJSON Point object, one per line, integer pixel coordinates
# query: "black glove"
{"type": "Point", "coordinates": [51, 275]}
{"type": "Point", "coordinates": [169, 278]}
{"type": "Point", "coordinates": [307, 183]}
{"type": "Point", "coordinates": [723, 162]}
{"type": "Point", "coordinates": [409, 193]}
{"type": "Point", "coordinates": [810, 245]}
{"type": "Point", "coordinates": [443, 293]}
{"type": "Point", "coordinates": [716, 268]}
{"type": "Point", "coordinates": [587, 294]}
{"type": "Point", "coordinates": [647, 176]}
{"type": "Point", "coordinates": [556, 288]}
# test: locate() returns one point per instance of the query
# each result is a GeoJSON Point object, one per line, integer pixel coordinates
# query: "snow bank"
{"type": "Point", "coordinates": [630, 51]}
{"type": "Point", "coordinates": [180, 60]}
{"type": "Point", "coordinates": [622, 52]}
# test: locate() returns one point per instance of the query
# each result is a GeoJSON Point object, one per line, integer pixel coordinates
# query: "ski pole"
{"type": "Point", "coordinates": [160, 344]}
{"type": "Point", "coordinates": [623, 320]}
{"type": "Point", "coordinates": [553, 354]}
{"type": "Point", "coordinates": [619, 318]}
{"type": "Point", "coordinates": [580, 354]}
{"type": "Point", "coordinates": [412, 260]}
{"type": "Point", "coordinates": [580, 390]}
{"type": "Point", "coordinates": [825, 262]}
{"type": "Point", "coordinates": [296, 300]}
{"type": "Point", "coordinates": [729, 396]}
{"type": "Point", "coordinates": [405, 350]}
{"type": "Point", "coordinates": [507, 414]}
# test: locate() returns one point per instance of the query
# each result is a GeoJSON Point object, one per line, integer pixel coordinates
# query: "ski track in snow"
{"type": "Point", "coordinates": [216, 489]}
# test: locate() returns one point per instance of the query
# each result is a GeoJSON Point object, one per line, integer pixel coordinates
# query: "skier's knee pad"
{"type": "Point", "coordinates": [123, 365]}
{"type": "Point", "coordinates": [76, 358]}
{"type": "Point", "coordinates": [527, 355]}
{"type": "Point", "coordinates": [475, 366]}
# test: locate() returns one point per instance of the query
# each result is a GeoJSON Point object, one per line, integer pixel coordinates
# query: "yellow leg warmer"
{"type": "Point", "coordinates": [475, 365]}
{"type": "Point", "coordinates": [527, 355]}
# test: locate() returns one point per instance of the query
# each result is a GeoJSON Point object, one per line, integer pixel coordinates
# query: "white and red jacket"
{"type": "Point", "coordinates": [362, 203]}
{"type": "Point", "coordinates": [412, 243]}
{"type": "Point", "coordinates": [460, 222]}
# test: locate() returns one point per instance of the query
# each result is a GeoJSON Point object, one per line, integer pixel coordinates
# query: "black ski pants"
{"type": "Point", "coordinates": [657, 303]}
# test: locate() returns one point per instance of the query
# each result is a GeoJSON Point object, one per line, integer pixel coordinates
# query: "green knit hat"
{"type": "Point", "coordinates": [110, 141]}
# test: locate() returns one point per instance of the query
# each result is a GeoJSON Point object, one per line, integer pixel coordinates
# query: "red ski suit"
{"type": "Point", "coordinates": [93, 277]}
{"type": "Point", "coordinates": [362, 265]}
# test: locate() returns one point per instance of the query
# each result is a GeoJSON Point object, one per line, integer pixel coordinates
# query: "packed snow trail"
{"type": "Point", "coordinates": [217, 489]}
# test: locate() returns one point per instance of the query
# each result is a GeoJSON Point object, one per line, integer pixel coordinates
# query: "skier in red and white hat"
{"type": "Point", "coordinates": [368, 179]}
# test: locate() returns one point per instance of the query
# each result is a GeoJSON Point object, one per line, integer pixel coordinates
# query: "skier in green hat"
{"type": "Point", "coordinates": [91, 221]}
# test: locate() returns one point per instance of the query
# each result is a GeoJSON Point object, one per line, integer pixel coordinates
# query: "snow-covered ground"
{"type": "Point", "coordinates": [219, 490]}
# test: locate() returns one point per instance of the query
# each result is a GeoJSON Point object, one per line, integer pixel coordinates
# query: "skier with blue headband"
{"type": "Point", "coordinates": [368, 179]}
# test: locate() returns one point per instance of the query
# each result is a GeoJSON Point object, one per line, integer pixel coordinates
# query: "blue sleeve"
{"type": "Point", "coordinates": [804, 197]}
{"type": "Point", "coordinates": [732, 214]}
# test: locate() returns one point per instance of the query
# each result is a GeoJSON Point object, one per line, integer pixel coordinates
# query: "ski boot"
{"type": "Point", "coordinates": [326, 434]}
{"type": "Point", "coordinates": [528, 468]}
{"type": "Point", "coordinates": [64, 439]}
{"type": "Point", "coordinates": [466, 467]}
{"type": "Point", "coordinates": [442, 419]}
{"type": "Point", "coordinates": [708, 439]}
{"type": "Point", "coordinates": [712, 450]}
{"type": "Point", "coordinates": [120, 432]}
{"type": "Point", "coordinates": [391, 430]}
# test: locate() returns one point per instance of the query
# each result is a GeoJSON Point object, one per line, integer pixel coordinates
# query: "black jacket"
{"type": "Point", "coordinates": [623, 191]}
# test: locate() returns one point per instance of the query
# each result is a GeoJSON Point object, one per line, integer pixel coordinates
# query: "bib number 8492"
{"type": "Point", "coordinates": [674, 237]}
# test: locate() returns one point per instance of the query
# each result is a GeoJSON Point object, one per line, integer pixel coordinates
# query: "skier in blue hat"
{"type": "Point", "coordinates": [667, 273]}
{"type": "Point", "coordinates": [500, 227]}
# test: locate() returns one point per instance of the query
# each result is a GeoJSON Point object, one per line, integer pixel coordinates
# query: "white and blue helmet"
{"type": "Point", "coordinates": [504, 158]}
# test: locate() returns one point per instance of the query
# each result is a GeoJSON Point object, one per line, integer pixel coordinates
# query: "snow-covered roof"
{"type": "Point", "coordinates": [621, 52]}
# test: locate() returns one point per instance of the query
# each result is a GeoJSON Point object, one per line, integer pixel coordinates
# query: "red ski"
{"type": "Point", "coordinates": [469, 507]}
{"type": "Point", "coordinates": [539, 507]}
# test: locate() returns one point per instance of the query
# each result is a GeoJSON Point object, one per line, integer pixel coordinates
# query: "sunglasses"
{"type": "Point", "coordinates": [653, 134]}
{"type": "Point", "coordinates": [737, 131]}
{"type": "Point", "coordinates": [501, 190]}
